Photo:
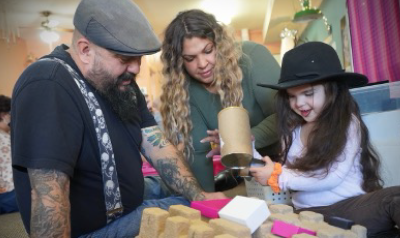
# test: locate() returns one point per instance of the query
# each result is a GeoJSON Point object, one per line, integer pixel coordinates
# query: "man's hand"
{"type": "Point", "coordinates": [50, 210]}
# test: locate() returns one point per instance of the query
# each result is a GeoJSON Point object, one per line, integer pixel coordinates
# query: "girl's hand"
{"type": "Point", "coordinates": [262, 174]}
{"type": "Point", "coordinates": [213, 139]}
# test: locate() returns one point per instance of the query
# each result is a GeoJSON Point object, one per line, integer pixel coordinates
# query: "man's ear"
{"type": "Point", "coordinates": [84, 50]}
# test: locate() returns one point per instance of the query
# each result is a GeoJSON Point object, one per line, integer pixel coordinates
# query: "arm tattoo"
{"type": "Point", "coordinates": [50, 212]}
{"type": "Point", "coordinates": [170, 164]}
{"type": "Point", "coordinates": [155, 137]}
{"type": "Point", "coordinates": [187, 185]}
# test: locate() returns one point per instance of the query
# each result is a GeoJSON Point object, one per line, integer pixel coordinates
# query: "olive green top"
{"type": "Point", "coordinates": [258, 66]}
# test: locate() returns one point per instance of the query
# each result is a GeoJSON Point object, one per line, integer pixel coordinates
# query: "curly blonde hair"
{"type": "Point", "coordinates": [175, 108]}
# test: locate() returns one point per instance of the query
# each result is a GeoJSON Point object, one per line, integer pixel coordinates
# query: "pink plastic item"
{"type": "Point", "coordinates": [217, 165]}
{"type": "Point", "coordinates": [210, 208]}
{"type": "Point", "coordinates": [284, 229]}
{"type": "Point", "coordinates": [148, 170]}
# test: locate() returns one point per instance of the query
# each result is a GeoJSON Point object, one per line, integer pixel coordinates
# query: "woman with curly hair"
{"type": "Point", "coordinates": [206, 71]}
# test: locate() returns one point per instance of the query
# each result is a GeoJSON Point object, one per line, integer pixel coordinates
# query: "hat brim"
{"type": "Point", "coordinates": [136, 53]}
{"type": "Point", "coordinates": [353, 80]}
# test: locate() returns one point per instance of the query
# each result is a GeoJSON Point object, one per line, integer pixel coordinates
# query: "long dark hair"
{"type": "Point", "coordinates": [329, 136]}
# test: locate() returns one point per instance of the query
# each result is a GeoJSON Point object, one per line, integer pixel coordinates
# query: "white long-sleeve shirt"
{"type": "Point", "coordinates": [344, 179]}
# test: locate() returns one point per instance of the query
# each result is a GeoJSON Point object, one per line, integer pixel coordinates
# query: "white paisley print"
{"type": "Point", "coordinates": [6, 177]}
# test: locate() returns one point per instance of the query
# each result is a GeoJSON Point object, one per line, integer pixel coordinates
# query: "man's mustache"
{"type": "Point", "coordinates": [124, 77]}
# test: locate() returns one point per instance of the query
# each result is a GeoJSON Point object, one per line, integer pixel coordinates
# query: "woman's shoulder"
{"type": "Point", "coordinates": [250, 44]}
{"type": "Point", "coordinates": [255, 53]}
{"type": "Point", "coordinates": [250, 47]}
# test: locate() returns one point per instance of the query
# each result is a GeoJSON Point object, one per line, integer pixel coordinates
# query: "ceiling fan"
{"type": "Point", "coordinates": [49, 29]}
{"type": "Point", "coordinates": [51, 24]}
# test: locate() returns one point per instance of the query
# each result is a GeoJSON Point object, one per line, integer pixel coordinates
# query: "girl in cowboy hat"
{"type": "Point", "coordinates": [327, 157]}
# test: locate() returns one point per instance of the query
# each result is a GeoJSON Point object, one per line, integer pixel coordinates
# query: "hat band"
{"type": "Point", "coordinates": [308, 75]}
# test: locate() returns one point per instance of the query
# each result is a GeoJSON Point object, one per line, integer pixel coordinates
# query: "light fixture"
{"type": "Point", "coordinates": [223, 10]}
{"type": "Point", "coordinates": [327, 25]}
{"type": "Point", "coordinates": [307, 13]}
{"type": "Point", "coordinates": [49, 36]}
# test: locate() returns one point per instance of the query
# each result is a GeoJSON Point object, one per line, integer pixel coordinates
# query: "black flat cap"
{"type": "Point", "coordinates": [116, 25]}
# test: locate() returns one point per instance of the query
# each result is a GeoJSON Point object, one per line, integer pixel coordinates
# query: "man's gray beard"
{"type": "Point", "coordinates": [123, 103]}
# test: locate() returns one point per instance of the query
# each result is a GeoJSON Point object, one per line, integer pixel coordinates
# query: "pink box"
{"type": "Point", "coordinates": [217, 165]}
{"type": "Point", "coordinates": [284, 229]}
{"type": "Point", "coordinates": [148, 170]}
{"type": "Point", "coordinates": [210, 208]}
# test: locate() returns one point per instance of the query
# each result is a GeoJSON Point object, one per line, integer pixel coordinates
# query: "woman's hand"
{"type": "Point", "coordinates": [213, 139]}
{"type": "Point", "coordinates": [262, 174]}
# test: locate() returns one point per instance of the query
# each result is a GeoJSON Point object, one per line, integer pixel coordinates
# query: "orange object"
{"type": "Point", "coordinates": [273, 180]}
{"type": "Point", "coordinates": [213, 145]}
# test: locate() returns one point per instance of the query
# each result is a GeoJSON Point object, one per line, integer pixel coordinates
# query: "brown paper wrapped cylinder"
{"type": "Point", "coordinates": [235, 137]}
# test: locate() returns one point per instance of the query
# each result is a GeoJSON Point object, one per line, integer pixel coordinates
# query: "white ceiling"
{"type": "Point", "coordinates": [26, 14]}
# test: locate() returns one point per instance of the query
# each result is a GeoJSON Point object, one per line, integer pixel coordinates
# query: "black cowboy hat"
{"type": "Point", "coordinates": [312, 62]}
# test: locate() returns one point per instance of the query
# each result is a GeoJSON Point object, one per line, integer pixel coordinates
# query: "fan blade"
{"type": "Point", "coordinates": [61, 29]}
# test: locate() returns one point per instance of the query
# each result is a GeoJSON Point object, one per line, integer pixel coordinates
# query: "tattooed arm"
{"type": "Point", "coordinates": [171, 165]}
{"type": "Point", "coordinates": [50, 211]}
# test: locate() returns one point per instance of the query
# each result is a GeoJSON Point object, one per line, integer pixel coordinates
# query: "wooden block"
{"type": "Point", "coordinates": [225, 236]}
{"type": "Point", "coordinates": [198, 222]}
{"type": "Point", "coordinates": [263, 230]}
{"type": "Point", "coordinates": [361, 231]}
{"type": "Point", "coordinates": [313, 226]}
{"type": "Point", "coordinates": [280, 208]}
{"type": "Point", "coordinates": [153, 222]}
{"type": "Point", "coordinates": [330, 232]}
{"type": "Point", "coordinates": [184, 211]}
{"type": "Point", "coordinates": [303, 236]}
{"type": "Point", "coordinates": [200, 231]}
{"type": "Point", "coordinates": [291, 218]}
{"type": "Point", "coordinates": [311, 216]}
{"type": "Point", "coordinates": [176, 226]}
{"type": "Point", "coordinates": [350, 234]}
{"type": "Point", "coordinates": [222, 226]}
{"type": "Point", "coordinates": [272, 236]}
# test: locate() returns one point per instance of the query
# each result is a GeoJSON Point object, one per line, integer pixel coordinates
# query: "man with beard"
{"type": "Point", "coordinates": [79, 125]}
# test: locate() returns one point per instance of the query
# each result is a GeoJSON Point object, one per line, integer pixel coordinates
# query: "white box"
{"type": "Point", "coordinates": [249, 212]}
